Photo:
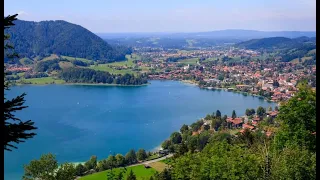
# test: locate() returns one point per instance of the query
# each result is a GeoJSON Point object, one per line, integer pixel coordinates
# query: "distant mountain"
{"type": "Point", "coordinates": [63, 38]}
{"type": "Point", "coordinates": [220, 34]}
{"type": "Point", "coordinates": [287, 48]}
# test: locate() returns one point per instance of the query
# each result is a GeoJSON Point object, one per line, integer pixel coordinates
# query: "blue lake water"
{"type": "Point", "coordinates": [76, 122]}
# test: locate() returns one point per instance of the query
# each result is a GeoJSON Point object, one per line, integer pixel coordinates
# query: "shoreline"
{"type": "Point", "coordinates": [183, 81]}
{"type": "Point", "coordinates": [81, 84]}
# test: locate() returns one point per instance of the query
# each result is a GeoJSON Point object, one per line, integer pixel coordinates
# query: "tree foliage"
{"type": "Point", "coordinates": [41, 169]}
{"type": "Point", "coordinates": [131, 176]}
{"type": "Point", "coordinates": [62, 38]}
{"type": "Point", "coordinates": [131, 157]}
{"type": "Point", "coordinates": [298, 120]}
{"type": "Point", "coordinates": [141, 154]}
{"type": "Point", "coordinates": [15, 130]}
{"type": "Point", "coordinates": [83, 75]}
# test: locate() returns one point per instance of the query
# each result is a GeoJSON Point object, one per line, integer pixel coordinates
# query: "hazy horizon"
{"type": "Point", "coordinates": [142, 16]}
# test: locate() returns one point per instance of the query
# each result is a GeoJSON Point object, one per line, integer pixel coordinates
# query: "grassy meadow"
{"type": "Point", "coordinates": [140, 171]}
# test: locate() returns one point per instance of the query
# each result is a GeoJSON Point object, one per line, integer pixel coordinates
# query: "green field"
{"type": "Point", "coordinates": [104, 67]}
{"type": "Point", "coordinates": [128, 63]}
{"type": "Point", "coordinates": [189, 61]}
{"type": "Point", "coordinates": [296, 60]}
{"type": "Point", "coordinates": [140, 171]}
{"type": "Point", "coordinates": [25, 61]}
{"type": "Point", "coordinates": [313, 51]}
{"type": "Point", "coordinates": [210, 59]}
{"type": "Point", "coordinates": [167, 161]}
{"type": "Point", "coordinates": [44, 80]}
{"type": "Point", "coordinates": [73, 58]}
{"type": "Point", "coordinates": [51, 57]}
{"type": "Point", "coordinates": [64, 64]}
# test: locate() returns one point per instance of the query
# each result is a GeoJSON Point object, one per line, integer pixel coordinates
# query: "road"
{"type": "Point", "coordinates": [151, 161]}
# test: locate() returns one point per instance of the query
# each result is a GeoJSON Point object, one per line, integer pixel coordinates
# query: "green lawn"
{"type": "Point", "coordinates": [140, 171]}
{"type": "Point", "coordinates": [44, 80]}
{"type": "Point", "coordinates": [189, 61]}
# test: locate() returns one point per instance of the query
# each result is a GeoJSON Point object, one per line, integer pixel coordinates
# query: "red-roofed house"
{"type": "Point", "coordinates": [247, 126]}
{"type": "Point", "coordinates": [236, 122]}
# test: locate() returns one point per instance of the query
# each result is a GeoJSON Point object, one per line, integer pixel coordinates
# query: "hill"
{"type": "Point", "coordinates": [32, 39]}
{"type": "Point", "coordinates": [288, 49]}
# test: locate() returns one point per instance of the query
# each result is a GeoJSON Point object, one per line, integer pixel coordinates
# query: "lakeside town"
{"type": "Point", "coordinates": [232, 69]}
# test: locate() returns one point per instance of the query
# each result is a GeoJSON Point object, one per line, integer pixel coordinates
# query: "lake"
{"type": "Point", "coordinates": [76, 121]}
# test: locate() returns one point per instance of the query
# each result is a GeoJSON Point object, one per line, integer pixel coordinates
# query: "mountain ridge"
{"type": "Point", "coordinates": [32, 38]}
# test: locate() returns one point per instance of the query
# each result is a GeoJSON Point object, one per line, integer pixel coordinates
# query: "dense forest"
{"type": "Point", "coordinates": [288, 49]}
{"type": "Point", "coordinates": [43, 38]}
{"type": "Point", "coordinates": [83, 75]}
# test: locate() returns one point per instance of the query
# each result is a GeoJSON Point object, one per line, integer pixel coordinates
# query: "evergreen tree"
{"type": "Point", "coordinates": [15, 130]}
{"type": "Point", "coordinates": [131, 176]}
{"type": "Point", "coordinates": [218, 114]}
{"type": "Point", "coordinates": [234, 114]}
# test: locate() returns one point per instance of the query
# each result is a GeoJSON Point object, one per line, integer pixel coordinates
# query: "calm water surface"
{"type": "Point", "coordinates": [76, 122]}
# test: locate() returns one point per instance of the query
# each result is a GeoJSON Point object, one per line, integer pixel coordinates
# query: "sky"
{"type": "Point", "coordinates": [119, 16]}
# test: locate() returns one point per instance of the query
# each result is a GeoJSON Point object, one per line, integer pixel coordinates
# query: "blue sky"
{"type": "Point", "coordinates": [171, 15]}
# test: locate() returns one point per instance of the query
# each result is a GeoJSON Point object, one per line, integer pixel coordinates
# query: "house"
{"type": "Point", "coordinates": [256, 120]}
{"type": "Point", "coordinates": [248, 126]}
{"type": "Point", "coordinates": [272, 114]}
{"type": "Point", "coordinates": [236, 122]}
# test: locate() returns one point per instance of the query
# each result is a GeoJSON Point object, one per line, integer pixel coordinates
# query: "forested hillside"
{"type": "Point", "coordinates": [32, 39]}
{"type": "Point", "coordinates": [288, 49]}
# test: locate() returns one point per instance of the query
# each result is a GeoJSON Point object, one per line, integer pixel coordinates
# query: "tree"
{"type": "Point", "coordinates": [131, 176]}
{"type": "Point", "coordinates": [270, 108]}
{"type": "Point", "coordinates": [298, 120]}
{"type": "Point", "coordinates": [120, 176]}
{"type": "Point", "coordinates": [184, 128]}
{"type": "Point", "coordinates": [141, 154]}
{"type": "Point", "coordinates": [131, 157]}
{"type": "Point", "coordinates": [248, 112]}
{"type": "Point", "coordinates": [260, 111]}
{"type": "Point", "coordinates": [234, 114]}
{"type": "Point", "coordinates": [111, 161]}
{"type": "Point", "coordinates": [276, 108]}
{"type": "Point", "coordinates": [110, 175]}
{"type": "Point", "coordinates": [121, 161]}
{"type": "Point", "coordinates": [15, 130]}
{"type": "Point", "coordinates": [218, 114]}
{"type": "Point", "coordinates": [80, 170]}
{"type": "Point", "coordinates": [41, 169]}
{"type": "Point", "coordinates": [252, 111]}
{"type": "Point", "coordinates": [92, 163]}
{"type": "Point", "coordinates": [192, 143]}
{"type": "Point", "coordinates": [166, 144]}
{"type": "Point", "coordinates": [67, 171]}
{"type": "Point", "coordinates": [176, 138]}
